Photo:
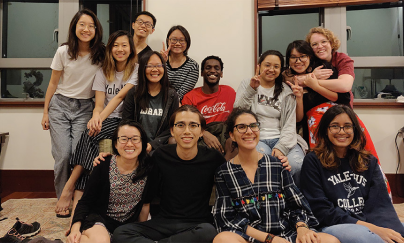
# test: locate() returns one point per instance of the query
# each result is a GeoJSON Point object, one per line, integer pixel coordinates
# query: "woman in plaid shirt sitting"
{"type": "Point", "coordinates": [257, 200]}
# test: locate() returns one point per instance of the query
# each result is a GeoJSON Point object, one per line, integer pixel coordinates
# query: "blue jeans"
{"type": "Point", "coordinates": [295, 156]}
{"type": "Point", "coordinates": [352, 233]}
{"type": "Point", "coordinates": [68, 119]}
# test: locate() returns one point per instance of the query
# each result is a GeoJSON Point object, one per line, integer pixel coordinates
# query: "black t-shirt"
{"type": "Point", "coordinates": [142, 52]}
{"type": "Point", "coordinates": [184, 186]}
{"type": "Point", "coordinates": [150, 118]}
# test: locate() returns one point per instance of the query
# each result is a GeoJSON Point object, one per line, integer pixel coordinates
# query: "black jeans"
{"type": "Point", "coordinates": [164, 230]}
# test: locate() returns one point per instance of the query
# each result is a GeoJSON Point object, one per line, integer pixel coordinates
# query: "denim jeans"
{"type": "Point", "coordinates": [295, 156]}
{"type": "Point", "coordinates": [68, 118]}
{"type": "Point", "coordinates": [352, 233]}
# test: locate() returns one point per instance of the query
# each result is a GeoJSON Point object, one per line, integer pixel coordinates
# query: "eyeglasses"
{"type": "Point", "coordinates": [302, 58]}
{"type": "Point", "coordinates": [149, 66]}
{"type": "Point", "coordinates": [125, 140]}
{"type": "Point", "coordinates": [315, 45]}
{"type": "Point", "coordinates": [147, 24]}
{"type": "Point", "coordinates": [335, 129]}
{"type": "Point", "coordinates": [175, 40]}
{"type": "Point", "coordinates": [91, 27]}
{"type": "Point", "coordinates": [242, 128]}
{"type": "Point", "coordinates": [192, 126]}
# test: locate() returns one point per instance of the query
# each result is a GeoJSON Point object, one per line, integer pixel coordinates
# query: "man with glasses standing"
{"type": "Point", "coordinates": [183, 178]}
{"type": "Point", "coordinates": [143, 25]}
{"type": "Point", "coordinates": [215, 102]}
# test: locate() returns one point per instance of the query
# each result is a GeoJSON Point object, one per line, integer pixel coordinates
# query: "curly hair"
{"type": "Point", "coordinates": [357, 155]}
{"type": "Point", "coordinates": [334, 41]}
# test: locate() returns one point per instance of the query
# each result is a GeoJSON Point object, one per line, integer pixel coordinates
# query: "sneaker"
{"type": "Point", "coordinates": [13, 236]}
{"type": "Point", "coordinates": [25, 229]}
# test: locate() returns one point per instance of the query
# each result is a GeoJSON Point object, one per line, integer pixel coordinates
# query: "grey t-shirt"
{"type": "Point", "coordinates": [150, 118]}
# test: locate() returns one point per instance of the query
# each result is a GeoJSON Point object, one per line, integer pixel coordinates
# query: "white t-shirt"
{"type": "Point", "coordinates": [111, 89]}
{"type": "Point", "coordinates": [77, 77]}
{"type": "Point", "coordinates": [269, 112]}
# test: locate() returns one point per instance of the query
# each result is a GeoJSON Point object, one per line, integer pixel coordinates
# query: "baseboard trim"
{"type": "Point", "coordinates": [26, 181]}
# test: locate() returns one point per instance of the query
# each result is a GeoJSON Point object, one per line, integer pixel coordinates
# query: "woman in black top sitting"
{"type": "Point", "coordinates": [114, 193]}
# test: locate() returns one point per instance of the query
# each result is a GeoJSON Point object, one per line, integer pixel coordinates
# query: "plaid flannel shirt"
{"type": "Point", "coordinates": [272, 204]}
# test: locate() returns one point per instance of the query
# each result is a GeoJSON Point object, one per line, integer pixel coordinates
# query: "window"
{"type": "Point", "coordinates": [372, 35]}
{"type": "Point", "coordinates": [28, 43]}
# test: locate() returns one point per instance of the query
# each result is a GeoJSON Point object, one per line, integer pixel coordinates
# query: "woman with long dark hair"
{"type": "Point", "coordinates": [275, 105]}
{"type": "Point", "coordinates": [111, 83]}
{"type": "Point", "coordinates": [344, 184]}
{"type": "Point", "coordinates": [114, 193]}
{"type": "Point", "coordinates": [152, 101]}
{"type": "Point", "coordinates": [68, 102]}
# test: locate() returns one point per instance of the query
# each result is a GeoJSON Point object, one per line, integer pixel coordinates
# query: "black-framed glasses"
{"type": "Point", "coordinates": [335, 129]}
{"type": "Point", "coordinates": [175, 40]}
{"type": "Point", "coordinates": [147, 24]}
{"type": "Point", "coordinates": [134, 139]}
{"type": "Point", "coordinates": [242, 128]}
{"type": "Point", "coordinates": [155, 66]}
{"type": "Point", "coordinates": [302, 58]}
{"type": "Point", "coordinates": [192, 126]}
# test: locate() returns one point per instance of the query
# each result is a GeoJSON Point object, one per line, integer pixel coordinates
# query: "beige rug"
{"type": "Point", "coordinates": [42, 211]}
{"type": "Point", "coordinates": [30, 210]}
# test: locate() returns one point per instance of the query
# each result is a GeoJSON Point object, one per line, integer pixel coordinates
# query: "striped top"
{"type": "Point", "coordinates": [183, 78]}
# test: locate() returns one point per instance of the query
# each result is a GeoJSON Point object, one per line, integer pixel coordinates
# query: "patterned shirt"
{"type": "Point", "coordinates": [272, 204]}
{"type": "Point", "coordinates": [124, 194]}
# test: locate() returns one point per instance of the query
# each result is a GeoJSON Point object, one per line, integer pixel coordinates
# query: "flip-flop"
{"type": "Point", "coordinates": [64, 215]}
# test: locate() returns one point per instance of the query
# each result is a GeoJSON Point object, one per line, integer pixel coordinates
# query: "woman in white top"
{"type": "Point", "coordinates": [119, 73]}
{"type": "Point", "coordinates": [68, 101]}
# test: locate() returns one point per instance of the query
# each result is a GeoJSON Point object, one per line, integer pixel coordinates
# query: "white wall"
{"type": "Point", "coordinates": [223, 28]}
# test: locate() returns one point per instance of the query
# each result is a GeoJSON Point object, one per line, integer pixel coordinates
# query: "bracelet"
{"type": "Point", "coordinates": [302, 225]}
{"type": "Point", "coordinates": [270, 238]}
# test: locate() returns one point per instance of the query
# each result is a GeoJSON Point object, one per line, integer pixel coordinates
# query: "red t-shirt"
{"type": "Point", "coordinates": [345, 65]}
{"type": "Point", "coordinates": [214, 107]}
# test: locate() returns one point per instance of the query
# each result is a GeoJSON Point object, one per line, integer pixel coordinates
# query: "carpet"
{"type": "Point", "coordinates": [30, 210]}
{"type": "Point", "coordinates": [42, 211]}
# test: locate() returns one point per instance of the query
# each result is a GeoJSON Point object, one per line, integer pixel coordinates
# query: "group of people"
{"type": "Point", "coordinates": [269, 190]}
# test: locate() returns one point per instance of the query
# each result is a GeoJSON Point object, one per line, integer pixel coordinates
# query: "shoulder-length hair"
{"type": "Point", "coordinates": [97, 48]}
{"type": "Point", "coordinates": [109, 65]}
{"type": "Point", "coordinates": [357, 155]}
{"type": "Point", "coordinates": [231, 120]}
{"type": "Point", "coordinates": [278, 81]}
{"type": "Point", "coordinates": [142, 91]}
{"type": "Point", "coordinates": [303, 47]}
{"type": "Point", "coordinates": [334, 41]}
{"type": "Point", "coordinates": [184, 32]}
{"type": "Point", "coordinates": [145, 165]}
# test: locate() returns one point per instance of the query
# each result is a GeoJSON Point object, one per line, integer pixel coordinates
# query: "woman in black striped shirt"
{"type": "Point", "coordinates": [183, 71]}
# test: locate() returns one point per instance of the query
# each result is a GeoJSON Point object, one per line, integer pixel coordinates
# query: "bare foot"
{"type": "Point", "coordinates": [65, 199]}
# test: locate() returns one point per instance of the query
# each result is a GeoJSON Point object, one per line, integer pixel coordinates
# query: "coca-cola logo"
{"type": "Point", "coordinates": [218, 107]}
